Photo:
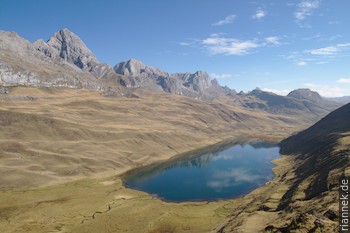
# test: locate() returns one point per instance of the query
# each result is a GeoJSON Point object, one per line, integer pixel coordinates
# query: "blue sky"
{"type": "Point", "coordinates": [275, 45]}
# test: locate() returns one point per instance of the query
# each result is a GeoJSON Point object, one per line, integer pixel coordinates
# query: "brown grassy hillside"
{"type": "Point", "coordinates": [303, 197]}
{"type": "Point", "coordinates": [52, 135]}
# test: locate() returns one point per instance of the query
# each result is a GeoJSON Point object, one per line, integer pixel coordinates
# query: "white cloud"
{"type": "Point", "coordinates": [218, 44]}
{"type": "Point", "coordinates": [324, 51]}
{"type": "Point", "coordinates": [223, 179]}
{"type": "Point", "coordinates": [330, 50]}
{"type": "Point", "coordinates": [229, 46]}
{"type": "Point", "coordinates": [277, 91]}
{"type": "Point", "coordinates": [274, 40]}
{"type": "Point", "coordinates": [305, 8]}
{"type": "Point", "coordinates": [321, 62]}
{"type": "Point", "coordinates": [344, 45]}
{"type": "Point", "coordinates": [328, 91]}
{"type": "Point", "coordinates": [259, 14]}
{"type": "Point", "coordinates": [227, 20]}
{"type": "Point", "coordinates": [344, 80]}
{"type": "Point", "coordinates": [301, 63]}
{"type": "Point", "coordinates": [320, 55]}
{"type": "Point", "coordinates": [185, 43]}
{"type": "Point", "coordinates": [223, 76]}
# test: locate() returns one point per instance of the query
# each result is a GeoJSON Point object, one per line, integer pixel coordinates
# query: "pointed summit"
{"type": "Point", "coordinates": [71, 48]}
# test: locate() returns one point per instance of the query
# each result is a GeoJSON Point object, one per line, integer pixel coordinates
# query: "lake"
{"type": "Point", "coordinates": [222, 172]}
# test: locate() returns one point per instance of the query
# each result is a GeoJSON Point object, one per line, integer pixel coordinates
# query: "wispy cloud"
{"type": "Point", "coordinates": [274, 40]}
{"type": "Point", "coordinates": [217, 44]}
{"type": "Point", "coordinates": [330, 50]}
{"type": "Point", "coordinates": [229, 46]}
{"type": "Point", "coordinates": [328, 91]}
{"type": "Point", "coordinates": [223, 76]}
{"type": "Point", "coordinates": [185, 43]}
{"type": "Point", "coordinates": [344, 80]}
{"type": "Point", "coordinates": [305, 8]}
{"type": "Point", "coordinates": [320, 55]}
{"type": "Point", "coordinates": [324, 51]}
{"type": "Point", "coordinates": [301, 63]}
{"type": "Point", "coordinates": [227, 20]}
{"type": "Point", "coordinates": [259, 14]}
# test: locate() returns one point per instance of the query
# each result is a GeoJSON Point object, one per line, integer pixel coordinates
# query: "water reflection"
{"type": "Point", "coordinates": [221, 172]}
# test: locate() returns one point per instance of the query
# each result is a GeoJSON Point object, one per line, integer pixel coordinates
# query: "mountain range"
{"type": "Point", "coordinates": [65, 61]}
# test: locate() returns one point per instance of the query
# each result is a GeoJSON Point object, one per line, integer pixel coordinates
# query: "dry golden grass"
{"type": "Point", "coordinates": [100, 206]}
{"type": "Point", "coordinates": [57, 146]}
{"type": "Point", "coordinates": [55, 135]}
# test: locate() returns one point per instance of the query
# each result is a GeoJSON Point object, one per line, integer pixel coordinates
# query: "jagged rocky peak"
{"type": "Point", "coordinates": [47, 50]}
{"type": "Point", "coordinates": [305, 93]}
{"type": "Point", "coordinates": [197, 81]}
{"type": "Point", "coordinates": [71, 48]}
{"type": "Point", "coordinates": [135, 67]}
{"type": "Point", "coordinates": [256, 91]}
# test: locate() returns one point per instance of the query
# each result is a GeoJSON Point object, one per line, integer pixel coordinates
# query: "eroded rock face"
{"type": "Point", "coordinates": [70, 48]}
{"type": "Point", "coordinates": [198, 81]}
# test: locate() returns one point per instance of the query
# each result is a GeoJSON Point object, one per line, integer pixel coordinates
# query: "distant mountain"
{"type": "Point", "coordinates": [341, 100]}
{"type": "Point", "coordinates": [298, 101]}
{"type": "Point", "coordinates": [196, 85]}
{"type": "Point", "coordinates": [306, 94]}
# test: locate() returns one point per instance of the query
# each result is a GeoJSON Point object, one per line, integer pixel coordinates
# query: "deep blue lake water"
{"type": "Point", "coordinates": [222, 173]}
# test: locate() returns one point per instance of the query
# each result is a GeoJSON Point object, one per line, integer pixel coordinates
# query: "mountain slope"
{"type": "Point", "coordinates": [303, 196]}
{"type": "Point", "coordinates": [318, 146]}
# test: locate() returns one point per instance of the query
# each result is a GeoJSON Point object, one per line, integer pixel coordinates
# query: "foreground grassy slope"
{"type": "Point", "coordinates": [303, 195]}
